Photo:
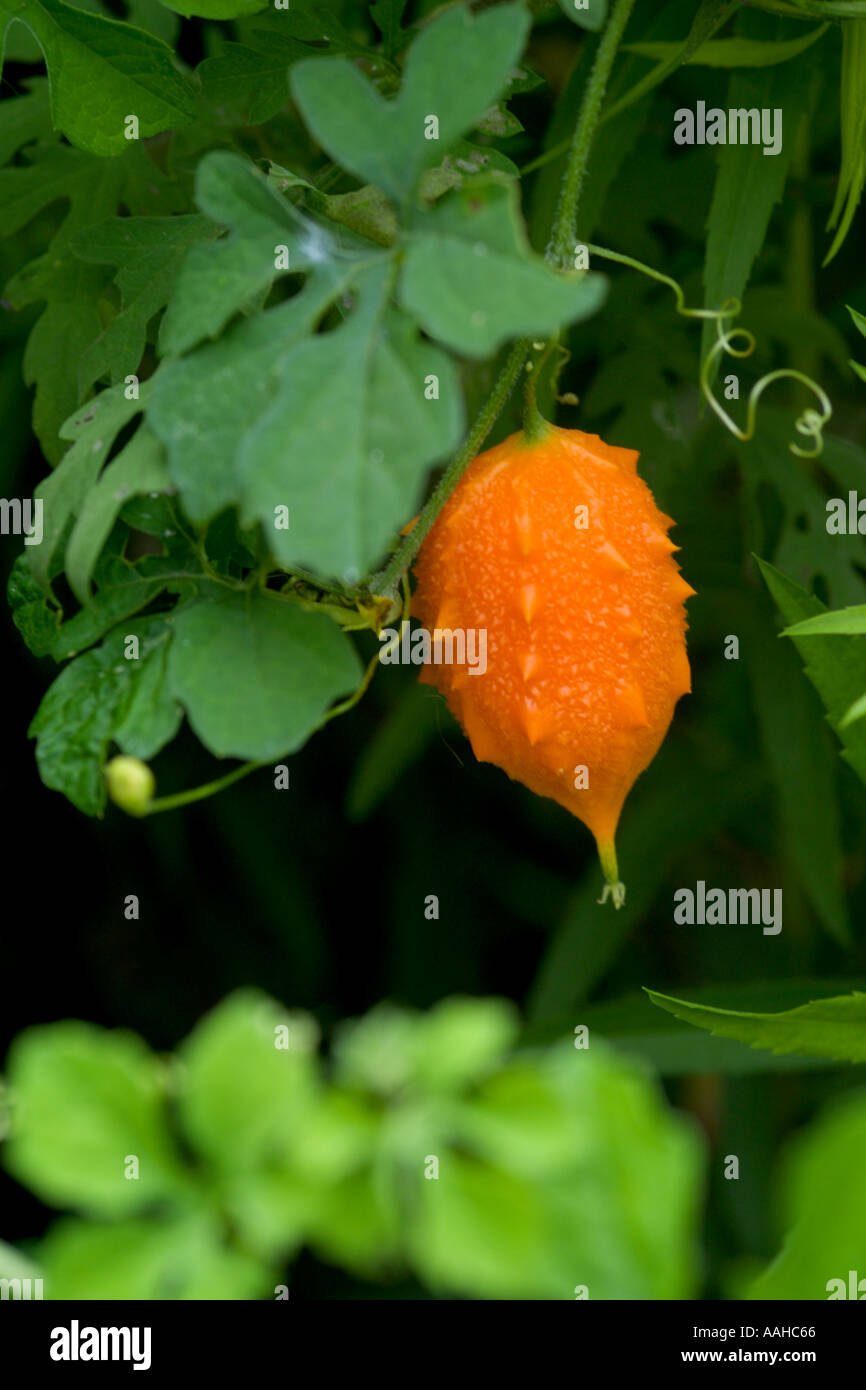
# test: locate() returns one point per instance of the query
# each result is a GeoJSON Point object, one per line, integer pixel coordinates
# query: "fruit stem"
{"type": "Point", "coordinates": [561, 249]}
{"type": "Point", "coordinates": [613, 885]}
{"type": "Point", "coordinates": [535, 427]}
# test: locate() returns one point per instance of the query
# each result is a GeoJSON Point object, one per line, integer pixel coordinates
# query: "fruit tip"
{"type": "Point", "coordinates": [614, 887]}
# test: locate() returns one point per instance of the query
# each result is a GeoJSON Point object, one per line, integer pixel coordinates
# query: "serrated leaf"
{"type": "Point", "coordinates": [247, 82]}
{"type": "Point", "coordinates": [75, 1154]}
{"type": "Point", "coordinates": [471, 281]}
{"type": "Point", "coordinates": [71, 290]}
{"type": "Point", "coordinates": [87, 703]}
{"type": "Point", "coordinates": [589, 14]}
{"type": "Point", "coordinates": [204, 405]}
{"type": "Point", "coordinates": [139, 467]}
{"type": "Point", "coordinates": [348, 438]}
{"type": "Point", "coordinates": [93, 429]}
{"type": "Point", "coordinates": [833, 1028]}
{"type": "Point", "coordinates": [148, 252]}
{"type": "Point", "coordinates": [843, 621]}
{"type": "Point", "coordinates": [36, 620]}
{"type": "Point", "coordinates": [126, 590]}
{"type": "Point", "coordinates": [256, 674]}
{"type": "Point", "coordinates": [101, 71]}
{"type": "Point", "coordinates": [221, 277]}
{"type": "Point", "coordinates": [456, 69]}
{"type": "Point", "coordinates": [835, 666]}
{"type": "Point", "coordinates": [24, 118]}
{"type": "Point", "coordinates": [805, 549]}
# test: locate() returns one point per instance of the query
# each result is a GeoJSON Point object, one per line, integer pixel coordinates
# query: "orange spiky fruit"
{"type": "Point", "coordinates": [557, 551]}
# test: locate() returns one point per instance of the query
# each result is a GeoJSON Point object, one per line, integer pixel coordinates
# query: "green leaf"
{"type": "Point", "coordinates": [86, 706]}
{"type": "Point", "coordinates": [93, 429]}
{"type": "Point", "coordinates": [852, 117]}
{"type": "Point", "coordinates": [247, 82]}
{"type": "Point", "coordinates": [833, 1028]}
{"type": "Point", "coordinates": [77, 1153]}
{"type": "Point", "coordinates": [24, 118]}
{"type": "Point", "coordinates": [472, 282]}
{"type": "Point", "coordinates": [16, 1265]}
{"type": "Point", "coordinates": [748, 182]}
{"type": "Point", "coordinates": [460, 1040]}
{"type": "Point", "coordinates": [571, 1171]}
{"type": "Point", "coordinates": [160, 1258]}
{"type": "Point", "coordinates": [637, 1027]}
{"type": "Point", "coordinates": [216, 9]}
{"type": "Point", "coordinates": [822, 1207]}
{"type": "Point", "coordinates": [709, 17]}
{"type": "Point", "coordinates": [628, 1225]}
{"type": "Point", "coordinates": [456, 69]}
{"type": "Point", "coordinates": [256, 674]}
{"type": "Point", "coordinates": [100, 72]}
{"type": "Point", "coordinates": [248, 1081]}
{"type": "Point", "coordinates": [388, 15]}
{"type": "Point", "coordinates": [148, 252]}
{"type": "Point", "coordinates": [805, 549]}
{"type": "Point", "coordinates": [589, 14]}
{"type": "Point", "coordinates": [733, 53]}
{"type": "Point", "coordinates": [480, 1231]}
{"type": "Point", "coordinates": [152, 716]}
{"type": "Point", "coordinates": [799, 751]}
{"type": "Point", "coordinates": [152, 16]}
{"type": "Point", "coordinates": [34, 618]}
{"type": "Point", "coordinates": [836, 668]}
{"type": "Point", "coordinates": [358, 1224]}
{"type": "Point", "coordinates": [122, 589]}
{"type": "Point", "coordinates": [71, 290]}
{"type": "Point", "coordinates": [348, 437]}
{"type": "Point", "coordinates": [139, 467]}
{"type": "Point", "coordinates": [858, 320]}
{"type": "Point", "coordinates": [204, 405]}
{"type": "Point", "coordinates": [843, 622]}
{"type": "Point", "coordinates": [221, 277]}
{"type": "Point", "coordinates": [519, 1120]}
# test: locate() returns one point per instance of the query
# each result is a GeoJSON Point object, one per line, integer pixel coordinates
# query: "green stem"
{"type": "Point", "coordinates": [169, 803]}
{"type": "Point", "coordinates": [535, 426]}
{"type": "Point", "coordinates": [561, 249]}
{"type": "Point", "coordinates": [389, 577]}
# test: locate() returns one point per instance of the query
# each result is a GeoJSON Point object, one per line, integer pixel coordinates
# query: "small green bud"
{"type": "Point", "coordinates": [131, 785]}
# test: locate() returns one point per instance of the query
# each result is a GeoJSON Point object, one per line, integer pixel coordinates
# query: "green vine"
{"type": "Point", "coordinates": [810, 423]}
